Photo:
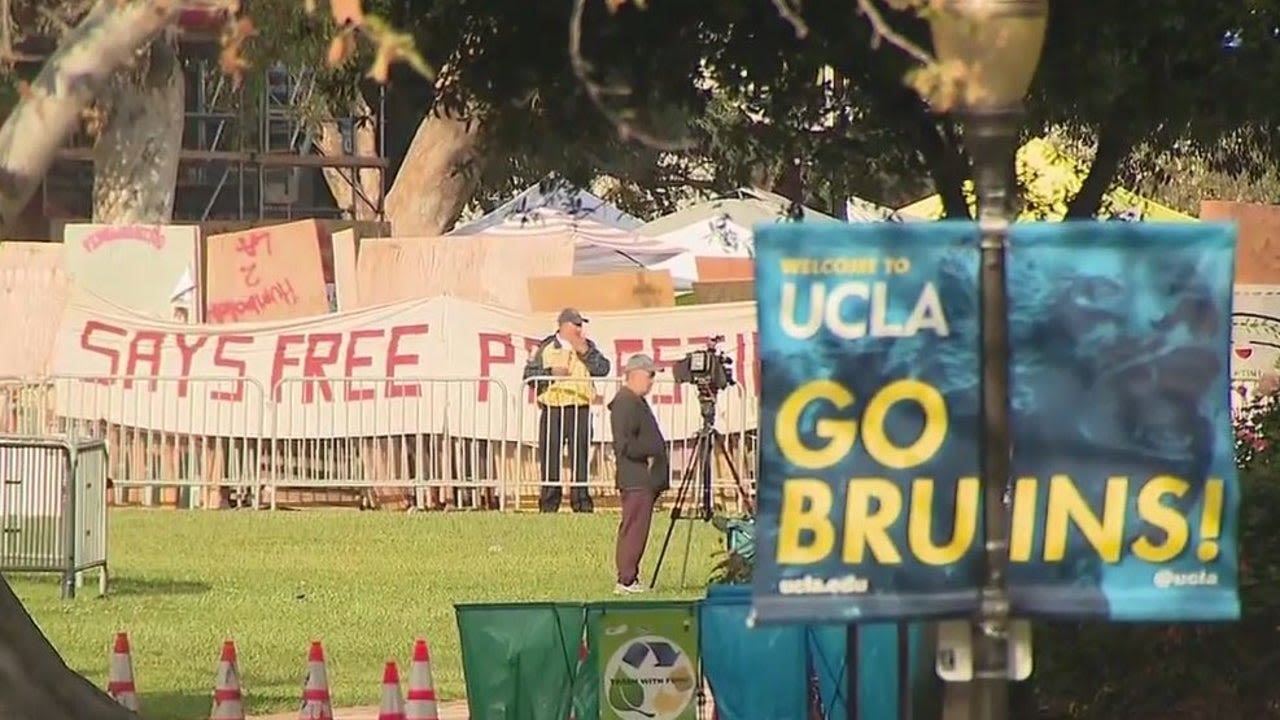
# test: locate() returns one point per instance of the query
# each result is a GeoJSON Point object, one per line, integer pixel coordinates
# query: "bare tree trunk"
{"type": "Point", "coordinates": [102, 43]}
{"type": "Point", "coordinates": [438, 177]}
{"type": "Point", "coordinates": [34, 682]}
{"type": "Point", "coordinates": [356, 190]}
{"type": "Point", "coordinates": [135, 158]}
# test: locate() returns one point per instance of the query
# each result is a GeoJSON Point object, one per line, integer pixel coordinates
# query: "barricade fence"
{"type": "Point", "coordinates": [401, 443]}
{"type": "Point", "coordinates": [53, 512]}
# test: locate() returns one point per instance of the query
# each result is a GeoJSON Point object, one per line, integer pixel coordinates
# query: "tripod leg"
{"type": "Point", "coordinates": [733, 472]}
{"type": "Point", "coordinates": [688, 543]}
{"type": "Point", "coordinates": [686, 482]}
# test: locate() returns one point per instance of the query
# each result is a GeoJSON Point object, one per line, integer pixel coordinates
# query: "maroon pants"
{"type": "Point", "coordinates": [633, 532]}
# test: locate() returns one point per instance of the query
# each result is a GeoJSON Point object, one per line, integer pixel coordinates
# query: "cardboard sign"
{"type": "Point", "coordinates": [489, 269]}
{"type": "Point", "coordinates": [34, 289]}
{"type": "Point", "coordinates": [630, 290]}
{"type": "Point", "coordinates": [720, 269]}
{"type": "Point", "coordinates": [270, 273]}
{"type": "Point", "coordinates": [346, 281]}
{"type": "Point", "coordinates": [726, 291]}
{"type": "Point", "coordinates": [1258, 244]}
{"type": "Point", "coordinates": [138, 267]}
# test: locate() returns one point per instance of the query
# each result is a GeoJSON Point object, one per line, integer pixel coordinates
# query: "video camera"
{"type": "Point", "coordinates": [709, 370]}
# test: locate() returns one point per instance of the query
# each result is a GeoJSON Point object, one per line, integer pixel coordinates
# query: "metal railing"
{"type": "Point", "coordinates": [553, 436]}
{"type": "Point", "coordinates": [53, 508]}
{"type": "Point", "coordinates": [409, 443]}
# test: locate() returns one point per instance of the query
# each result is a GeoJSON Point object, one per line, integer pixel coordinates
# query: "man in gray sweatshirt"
{"type": "Point", "coordinates": [644, 468]}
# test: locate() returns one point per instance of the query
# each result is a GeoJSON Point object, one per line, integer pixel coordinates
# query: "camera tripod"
{"type": "Point", "coordinates": [695, 487]}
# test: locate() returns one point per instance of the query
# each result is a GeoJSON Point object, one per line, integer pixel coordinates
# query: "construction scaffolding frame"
{"type": "Point", "coordinates": [250, 151]}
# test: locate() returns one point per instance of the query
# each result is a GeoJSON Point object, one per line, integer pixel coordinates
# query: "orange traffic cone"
{"type": "Point", "coordinates": [392, 707]}
{"type": "Point", "coordinates": [421, 703]}
{"type": "Point", "coordinates": [315, 689]}
{"type": "Point", "coordinates": [228, 702]}
{"type": "Point", "coordinates": [120, 674]}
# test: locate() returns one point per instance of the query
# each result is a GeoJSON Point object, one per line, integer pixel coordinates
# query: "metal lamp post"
{"type": "Point", "coordinates": [998, 44]}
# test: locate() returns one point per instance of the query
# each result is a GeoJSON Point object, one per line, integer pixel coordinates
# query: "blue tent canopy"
{"type": "Point", "coordinates": [560, 196]}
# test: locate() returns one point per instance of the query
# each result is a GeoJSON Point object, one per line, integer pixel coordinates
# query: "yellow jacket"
{"type": "Point", "coordinates": [576, 388]}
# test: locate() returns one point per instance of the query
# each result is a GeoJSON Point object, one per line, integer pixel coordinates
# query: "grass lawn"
{"type": "Point", "coordinates": [366, 584]}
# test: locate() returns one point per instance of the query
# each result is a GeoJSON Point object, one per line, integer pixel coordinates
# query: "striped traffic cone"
{"type": "Point", "coordinates": [392, 707]}
{"type": "Point", "coordinates": [315, 689]}
{"type": "Point", "coordinates": [421, 704]}
{"type": "Point", "coordinates": [120, 674]}
{"type": "Point", "coordinates": [228, 702]}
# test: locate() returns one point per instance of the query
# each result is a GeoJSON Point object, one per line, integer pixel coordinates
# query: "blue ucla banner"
{"type": "Point", "coordinates": [1123, 496]}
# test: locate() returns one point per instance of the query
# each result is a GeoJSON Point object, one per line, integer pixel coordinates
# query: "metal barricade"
{"type": "Point", "coordinates": [555, 447]}
{"type": "Point", "coordinates": [415, 443]}
{"type": "Point", "coordinates": [53, 508]}
{"type": "Point", "coordinates": [411, 443]}
{"type": "Point", "coordinates": [176, 441]}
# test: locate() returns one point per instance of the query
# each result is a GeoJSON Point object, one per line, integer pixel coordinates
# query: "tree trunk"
{"type": "Point", "coordinates": [135, 159]}
{"type": "Point", "coordinates": [34, 682]}
{"type": "Point", "coordinates": [439, 175]}
{"type": "Point", "coordinates": [357, 191]}
{"type": "Point", "coordinates": [50, 109]}
{"type": "Point", "coordinates": [1113, 147]}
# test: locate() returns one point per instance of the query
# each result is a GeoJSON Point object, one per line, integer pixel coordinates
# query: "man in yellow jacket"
{"type": "Point", "coordinates": [561, 369]}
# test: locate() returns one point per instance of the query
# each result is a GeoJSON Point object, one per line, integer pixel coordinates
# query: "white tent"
{"type": "Point", "coordinates": [712, 238]}
{"type": "Point", "coordinates": [722, 227]}
{"type": "Point", "coordinates": [598, 247]}
{"type": "Point", "coordinates": [555, 195]}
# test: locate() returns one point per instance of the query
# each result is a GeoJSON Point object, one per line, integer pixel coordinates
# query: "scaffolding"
{"type": "Point", "coordinates": [250, 152]}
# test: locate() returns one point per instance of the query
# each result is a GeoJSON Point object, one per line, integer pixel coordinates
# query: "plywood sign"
{"type": "Point", "coordinates": [631, 290]}
{"type": "Point", "coordinates": [269, 273]}
{"type": "Point", "coordinates": [142, 268]}
{"type": "Point", "coordinates": [490, 269]}
{"type": "Point", "coordinates": [710, 293]}
{"type": "Point", "coordinates": [346, 284]}
{"type": "Point", "coordinates": [719, 269]}
{"type": "Point", "coordinates": [1258, 248]}
{"type": "Point", "coordinates": [34, 289]}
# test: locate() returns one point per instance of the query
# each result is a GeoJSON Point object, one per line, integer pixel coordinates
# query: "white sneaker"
{"type": "Point", "coordinates": [634, 588]}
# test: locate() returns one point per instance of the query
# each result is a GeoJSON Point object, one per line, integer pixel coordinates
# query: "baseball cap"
{"type": "Point", "coordinates": [570, 315]}
{"type": "Point", "coordinates": [640, 362]}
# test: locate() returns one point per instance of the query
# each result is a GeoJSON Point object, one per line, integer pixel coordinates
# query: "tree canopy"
{"type": "Point", "coordinates": [809, 102]}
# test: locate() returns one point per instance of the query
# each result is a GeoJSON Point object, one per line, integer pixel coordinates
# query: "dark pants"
{"type": "Point", "coordinates": [633, 532]}
{"type": "Point", "coordinates": [557, 427]}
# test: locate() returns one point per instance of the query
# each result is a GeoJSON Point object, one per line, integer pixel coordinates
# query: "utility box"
{"type": "Point", "coordinates": [53, 508]}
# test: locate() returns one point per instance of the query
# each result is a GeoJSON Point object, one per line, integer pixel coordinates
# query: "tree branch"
{"type": "Point", "coordinates": [598, 93]}
{"type": "Point", "coordinates": [928, 134]}
{"type": "Point", "coordinates": [946, 165]}
{"type": "Point", "coordinates": [882, 30]}
{"type": "Point", "coordinates": [105, 40]}
{"type": "Point", "coordinates": [1114, 144]}
{"type": "Point", "coordinates": [789, 10]}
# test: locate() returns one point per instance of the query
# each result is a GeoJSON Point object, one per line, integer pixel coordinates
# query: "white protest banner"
{"type": "Point", "coordinates": [210, 379]}
{"type": "Point", "coordinates": [502, 340]}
